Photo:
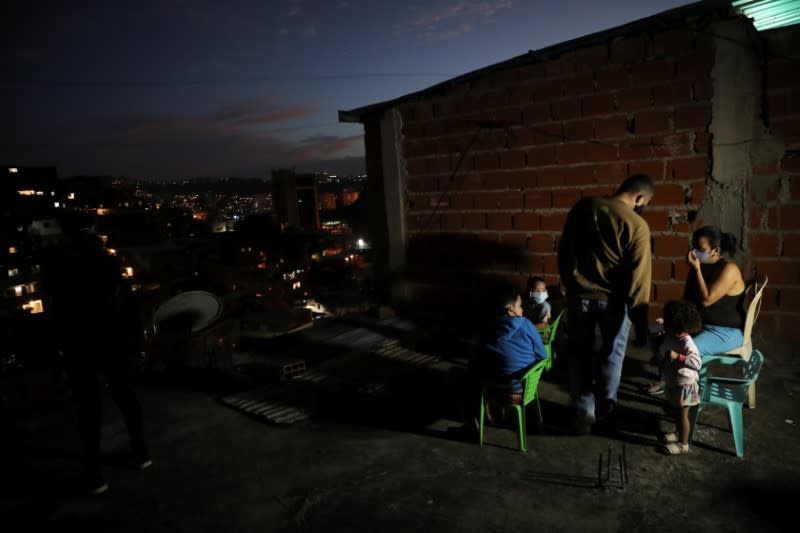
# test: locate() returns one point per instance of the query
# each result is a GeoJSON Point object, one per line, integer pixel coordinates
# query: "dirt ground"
{"type": "Point", "coordinates": [378, 454]}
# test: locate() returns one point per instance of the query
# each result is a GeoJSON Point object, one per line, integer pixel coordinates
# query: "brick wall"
{"type": "Point", "coordinates": [491, 198]}
{"type": "Point", "coordinates": [774, 214]}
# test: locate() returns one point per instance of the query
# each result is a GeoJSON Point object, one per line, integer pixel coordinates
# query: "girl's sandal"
{"type": "Point", "coordinates": [668, 438]}
{"type": "Point", "coordinates": [676, 448]}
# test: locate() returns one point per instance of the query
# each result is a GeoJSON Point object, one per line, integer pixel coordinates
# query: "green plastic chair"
{"type": "Point", "coordinates": [728, 392]}
{"type": "Point", "coordinates": [493, 393]}
{"type": "Point", "coordinates": [548, 334]}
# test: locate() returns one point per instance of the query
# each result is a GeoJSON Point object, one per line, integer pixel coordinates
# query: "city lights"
{"type": "Point", "coordinates": [34, 306]}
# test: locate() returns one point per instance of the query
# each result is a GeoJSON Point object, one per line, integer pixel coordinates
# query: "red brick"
{"type": "Point", "coordinates": [529, 263]}
{"type": "Point", "coordinates": [616, 126]}
{"type": "Point", "coordinates": [610, 173]}
{"type": "Point", "coordinates": [652, 121]}
{"type": "Point", "coordinates": [541, 156]}
{"type": "Point", "coordinates": [767, 325]}
{"type": "Point", "coordinates": [681, 267]}
{"type": "Point", "coordinates": [514, 238]}
{"type": "Point", "coordinates": [548, 133]}
{"type": "Point", "coordinates": [516, 179]}
{"type": "Point", "coordinates": [566, 109]}
{"type": "Point", "coordinates": [491, 100]}
{"type": "Point", "coordinates": [554, 221]}
{"type": "Point", "coordinates": [499, 221]}
{"type": "Point", "coordinates": [654, 169]}
{"type": "Point", "coordinates": [598, 191]}
{"type": "Point", "coordinates": [681, 227]}
{"type": "Point", "coordinates": [702, 143]}
{"type": "Point", "coordinates": [789, 217]}
{"type": "Point", "coordinates": [566, 197]}
{"type": "Point", "coordinates": [788, 325]}
{"type": "Point", "coordinates": [579, 130]}
{"type": "Point", "coordinates": [662, 269]}
{"type": "Point", "coordinates": [439, 165]}
{"type": "Point", "coordinates": [489, 200]}
{"type": "Point", "coordinates": [669, 291]}
{"type": "Point", "coordinates": [578, 85]}
{"type": "Point", "coordinates": [669, 195]}
{"type": "Point", "coordinates": [763, 244]}
{"type": "Point", "coordinates": [692, 168]}
{"type": "Point", "coordinates": [536, 113]}
{"type": "Point", "coordinates": [791, 245]}
{"type": "Point", "coordinates": [553, 68]}
{"type": "Point", "coordinates": [782, 74]}
{"type": "Point", "coordinates": [531, 72]}
{"type": "Point", "coordinates": [791, 164]}
{"type": "Point", "coordinates": [587, 58]}
{"type": "Point", "coordinates": [769, 300]}
{"type": "Point", "coordinates": [692, 117]}
{"type": "Point", "coordinates": [655, 310]}
{"type": "Point", "coordinates": [415, 166]}
{"type": "Point", "coordinates": [520, 95]}
{"type": "Point", "coordinates": [541, 243]}
{"type": "Point", "coordinates": [485, 161]}
{"type": "Point", "coordinates": [697, 66]}
{"type": "Point", "coordinates": [698, 193]}
{"type": "Point", "coordinates": [630, 50]}
{"type": "Point", "coordinates": [512, 159]}
{"type": "Point", "coordinates": [671, 246]}
{"type": "Point", "coordinates": [672, 43]}
{"type": "Point", "coordinates": [550, 264]}
{"type": "Point", "coordinates": [702, 90]}
{"type": "Point", "coordinates": [526, 221]}
{"type": "Point", "coordinates": [474, 221]}
{"type": "Point", "coordinates": [464, 182]}
{"type": "Point", "coordinates": [601, 152]}
{"type": "Point", "coordinates": [581, 175]}
{"type": "Point", "coordinates": [521, 137]}
{"type": "Point", "coordinates": [790, 299]}
{"type": "Point", "coordinates": [672, 145]}
{"type": "Point", "coordinates": [424, 222]}
{"type": "Point", "coordinates": [550, 177]}
{"type": "Point", "coordinates": [652, 72]}
{"type": "Point", "coordinates": [598, 104]}
{"type": "Point", "coordinates": [657, 220]}
{"type": "Point", "coordinates": [538, 200]}
{"type": "Point", "coordinates": [423, 184]}
{"type": "Point", "coordinates": [634, 99]}
{"type": "Point", "coordinates": [677, 92]}
{"type": "Point", "coordinates": [788, 130]}
{"type": "Point", "coordinates": [571, 153]}
{"type": "Point", "coordinates": [546, 91]}
{"type": "Point", "coordinates": [638, 148]}
{"type": "Point", "coordinates": [452, 222]}
{"type": "Point", "coordinates": [612, 79]}
{"type": "Point", "coordinates": [780, 271]}
{"type": "Point", "coordinates": [462, 201]}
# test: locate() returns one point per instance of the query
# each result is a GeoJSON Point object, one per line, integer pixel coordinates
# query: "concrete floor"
{"type": "Point", "coordinates": [387, 462]}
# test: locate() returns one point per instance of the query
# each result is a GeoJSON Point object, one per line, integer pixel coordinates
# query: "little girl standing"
{"type": "Point", "coordinates": [681, 319]}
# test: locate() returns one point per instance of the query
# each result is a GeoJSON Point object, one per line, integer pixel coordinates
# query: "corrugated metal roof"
{"type": "Point", "coordinates": [661, 21]}
{"type": "Point", "coordinates": [769, 14]}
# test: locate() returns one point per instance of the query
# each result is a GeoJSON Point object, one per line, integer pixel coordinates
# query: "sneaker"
{"type": "Point", "coordinates": [95, 485]}
{"type": "Point", "coordinates": [582, 424]}
{"type": "Point", "coordinates": [656, 388]}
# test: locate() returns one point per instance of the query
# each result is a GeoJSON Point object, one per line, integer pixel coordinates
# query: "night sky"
{"type": "Point", "coordinates": [197, 88]}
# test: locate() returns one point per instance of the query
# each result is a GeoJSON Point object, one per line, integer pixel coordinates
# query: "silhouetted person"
{"type": "Point", "coordinates": [604, 260]}
{"type": "Point", "coordinates": [94, 327]}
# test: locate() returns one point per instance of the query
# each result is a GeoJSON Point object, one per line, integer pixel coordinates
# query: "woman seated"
{"type": "Point", "coordinates": [715, 285]}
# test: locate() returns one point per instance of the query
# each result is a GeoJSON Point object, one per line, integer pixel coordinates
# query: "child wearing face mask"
{"type": "Point", "coordinates": [537, 308]}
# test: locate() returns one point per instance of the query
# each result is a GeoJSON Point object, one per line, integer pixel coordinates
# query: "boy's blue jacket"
{"type": "Point", "coordinates": [508, 344]}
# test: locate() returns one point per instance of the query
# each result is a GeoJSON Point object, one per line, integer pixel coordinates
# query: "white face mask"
{"type": "Point", "coordinates": [539, 296]}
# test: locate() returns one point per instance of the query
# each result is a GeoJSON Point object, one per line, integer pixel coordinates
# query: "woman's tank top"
{"type": "Point", "coordinates": [728, 311]}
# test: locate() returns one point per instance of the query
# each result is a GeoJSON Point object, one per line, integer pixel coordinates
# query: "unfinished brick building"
{"type": "Point", "coordinates": [473, 178]}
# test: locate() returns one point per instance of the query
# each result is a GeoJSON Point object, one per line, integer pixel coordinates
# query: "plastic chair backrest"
{"type": "Point", "coordinates": [530, 381]}
{"type": "Point", "coordinates": [753, 367]}
{"type": "Point", "coordinates": [550, 329]}
{"type": "Point", "coordinates": [754, 308]}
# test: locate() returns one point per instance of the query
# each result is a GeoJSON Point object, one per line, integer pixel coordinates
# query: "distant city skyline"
{"type": "Point", "coordinates": [160, 89]}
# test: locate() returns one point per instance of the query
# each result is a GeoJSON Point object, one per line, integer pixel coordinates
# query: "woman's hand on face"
{"type": "Point", "coordinates": [692, 259]}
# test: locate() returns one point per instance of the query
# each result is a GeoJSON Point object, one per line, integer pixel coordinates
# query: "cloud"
{"type": "Point", "coordinates": [219, 143]}
{"type": "Point", "coordinates": [310, 31]}
{"type": "Point", "coordinates": [449, 20]}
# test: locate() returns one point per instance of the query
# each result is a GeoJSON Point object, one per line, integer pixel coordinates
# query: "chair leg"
{"type": "Point", "coordinates": [737, 427]}
{"type": "Point", "coordinates": [520, 409]}
{"type": "Point", "coordinates": [539, 420]}
{"type": "Point", "coordinates": [480, 423]}
{"type": "Point", "coordinates": [751, 396]}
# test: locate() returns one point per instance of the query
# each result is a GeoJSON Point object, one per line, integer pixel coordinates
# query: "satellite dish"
{"type": "Point", "coordinates": [187, 313]}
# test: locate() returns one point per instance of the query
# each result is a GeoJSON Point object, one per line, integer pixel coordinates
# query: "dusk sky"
{"type": "Point", "coordinates": [176, 88]}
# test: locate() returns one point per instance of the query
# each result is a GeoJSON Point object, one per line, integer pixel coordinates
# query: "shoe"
{"type": "Point", "coordinates": [582, 424]}
{"type": "Point", "coordinates": [675, 448]}
{"type": "Point", "coordinates": [95, 485]}
{"type": "Point", "coordinates": [668, 438]}
{"type": "Point", "coordinates": [656, 388]}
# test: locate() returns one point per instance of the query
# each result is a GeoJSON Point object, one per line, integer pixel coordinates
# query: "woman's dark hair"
{"type": "Point", "coordinates": [682, 316]}
{"type": "Point", "coordinates": [716, 239]}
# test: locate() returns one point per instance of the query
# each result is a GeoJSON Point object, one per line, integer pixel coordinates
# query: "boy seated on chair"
{"type": "Point", "coordinates": [507, 345]}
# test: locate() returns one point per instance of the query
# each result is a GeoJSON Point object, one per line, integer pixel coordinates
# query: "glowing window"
{"type": "Point", "coordinates": [13, 272]}
{"type": "Point", "coordinates": [71, 196]}
{"type": "Point", "coordinates": [13, 170]}
{"type": "Point", "coordinates": [12, 249]}
{"type": "Point", "coordinates": [34, 306]}
{"type": "Point", "coordinates": [18, 290]}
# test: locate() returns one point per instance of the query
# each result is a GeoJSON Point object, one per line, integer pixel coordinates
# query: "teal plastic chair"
{"type": "Point", "coordinates": [494, 393]}
{"type": "Point", "coordinates": [548, 334]}
{"type": "Point", "coordinates": [728, 392]}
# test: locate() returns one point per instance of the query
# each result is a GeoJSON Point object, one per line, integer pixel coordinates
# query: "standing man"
{"type": "Point", "coordinates": [604, 262]}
